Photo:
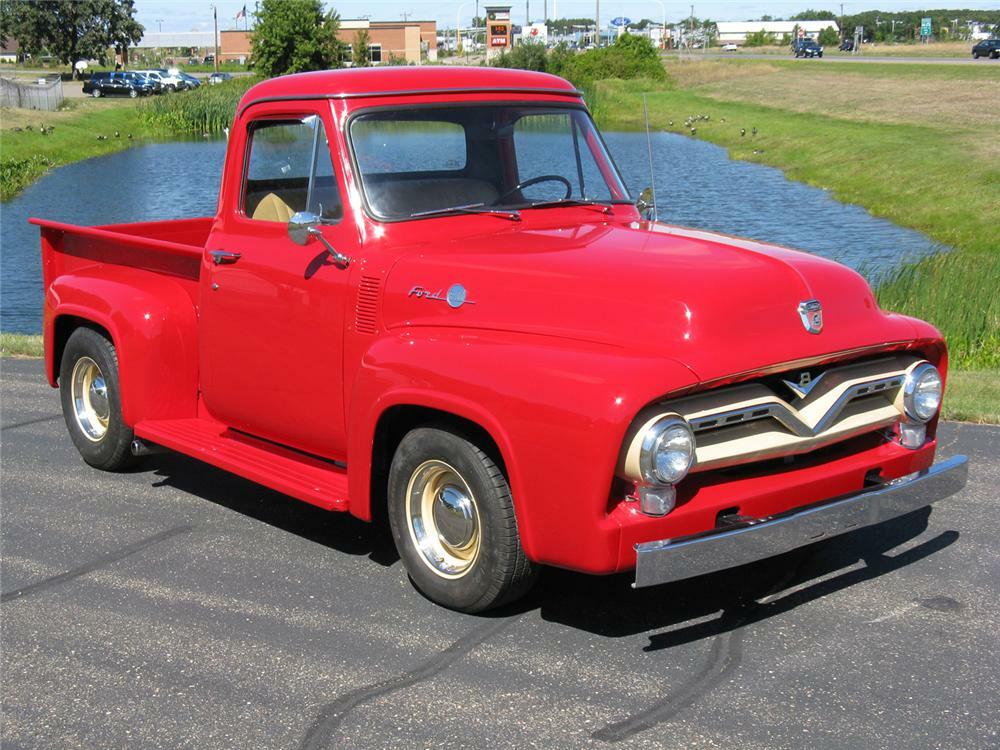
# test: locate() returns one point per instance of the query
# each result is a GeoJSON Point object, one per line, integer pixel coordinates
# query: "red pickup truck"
{"type": "Point", "coordinates": [427, 296]}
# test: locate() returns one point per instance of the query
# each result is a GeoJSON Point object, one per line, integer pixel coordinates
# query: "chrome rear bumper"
{"type": "Point", "coordinates": [684, 557]}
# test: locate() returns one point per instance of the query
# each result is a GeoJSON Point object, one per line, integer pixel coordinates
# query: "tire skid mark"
{"type": "Point", "coordinates": [29, 422]}
{"type": "Point", "coordinates": [724, 658]}
{"type": "Point", "coordinates": [100, 562]}
{"type": "Point", "coordinates": [333, 714]}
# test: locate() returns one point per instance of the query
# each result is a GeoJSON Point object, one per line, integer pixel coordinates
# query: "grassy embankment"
{"type": "Point", "coordinates": [26, 152]}
{"type": "Point", "coordinates": [916, 144]}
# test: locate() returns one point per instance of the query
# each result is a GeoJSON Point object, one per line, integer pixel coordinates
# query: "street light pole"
{"type": "Point", "coordinates": [458, 28]}
{"type": "Point", "coordinates": [597, 25]}
{"type": "Point", "coordinates": [215, 18]}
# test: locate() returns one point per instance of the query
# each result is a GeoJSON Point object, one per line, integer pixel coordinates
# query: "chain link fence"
{"type": "Point", "coordinates": [46, 94]}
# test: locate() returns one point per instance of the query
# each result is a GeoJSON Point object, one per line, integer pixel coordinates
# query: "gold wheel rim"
{"type": "Point", "coordinates": [443, 519]}
{"type": "Point", "coordinates": [89, 391]}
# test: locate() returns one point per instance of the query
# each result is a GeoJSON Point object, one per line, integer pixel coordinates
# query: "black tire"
{"type": "Point", "coordinates": [133, 93]}
{"type": "Point", "coordinates": [96, 93]}
{"type": "Point", "coordinates": [113, 450]}
{"type": "Point", "coordinates": [975, 55]}
{"type": "Point", "coordinates": [499, 572]}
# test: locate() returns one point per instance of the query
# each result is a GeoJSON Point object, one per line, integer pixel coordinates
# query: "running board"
{"type": "Point", "coordinates": [303, 477]}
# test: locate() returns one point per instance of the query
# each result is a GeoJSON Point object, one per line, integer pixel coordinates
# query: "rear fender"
{"type": "Point", "coordinates": [153, 325]}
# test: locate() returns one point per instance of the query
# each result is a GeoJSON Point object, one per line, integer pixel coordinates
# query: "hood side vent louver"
{"type": "Point", "coordinates": [366, 313]}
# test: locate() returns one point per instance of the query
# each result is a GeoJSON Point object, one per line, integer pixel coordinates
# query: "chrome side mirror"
{"type": "Point", "coordinates": [300, 226]}
{"type": "Point", "coordinates": [646, 204]}
{"type": "Point", "coordinates": [304, 225]}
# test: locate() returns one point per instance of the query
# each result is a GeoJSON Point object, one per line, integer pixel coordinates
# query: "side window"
{"type": "Point", "coordinates": [289, 169]}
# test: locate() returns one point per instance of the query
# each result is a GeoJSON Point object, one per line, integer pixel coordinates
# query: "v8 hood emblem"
{"type": "Point", "coordinates": [811, 313]}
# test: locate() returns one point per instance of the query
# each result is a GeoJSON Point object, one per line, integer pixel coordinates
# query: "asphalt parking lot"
{"type": "Point", "coordinates": [179, 607]}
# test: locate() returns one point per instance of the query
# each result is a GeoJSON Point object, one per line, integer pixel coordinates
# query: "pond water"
{"type": "Point", "coordinates": [697, 186]}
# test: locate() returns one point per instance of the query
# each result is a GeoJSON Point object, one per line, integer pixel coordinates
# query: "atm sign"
{"type": "Point", "coordinates": [498, 41]}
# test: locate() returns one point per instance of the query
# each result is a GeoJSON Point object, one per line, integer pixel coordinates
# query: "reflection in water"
{"type": "Point", "coordinates": [697, 186]}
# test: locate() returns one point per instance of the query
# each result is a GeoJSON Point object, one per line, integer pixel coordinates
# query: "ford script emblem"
{"type": "Point", "coordinates": [456, 296]}
{"type": "Point", "coordinates": [811, 313]}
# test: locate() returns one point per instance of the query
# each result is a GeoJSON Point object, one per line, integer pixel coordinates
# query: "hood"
{"type": "Point", "coordinates": [719, 305]}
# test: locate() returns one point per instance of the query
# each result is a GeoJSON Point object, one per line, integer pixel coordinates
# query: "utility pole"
{"type": "Point", "coordinates": [842, 37]}
{"type": "Point", "coordinates": [527, 15]}
{"type": "Point", "coordinates": [159, 24]}
{"type": "Point", "coordinates": [215, 18]}
{"type": "Point", "coordinates": [597, 25]}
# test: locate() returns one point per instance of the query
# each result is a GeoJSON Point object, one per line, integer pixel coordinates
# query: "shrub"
{"type": "Point", "coordinates": [759, 39]}
{"type": "Point", "coordinates": [207, 109]}
{"type": "Point", "coordinates": [829, 37]}
{"type": "Point", "coordinates": [629, 57]}
{"type": "Point", "coordinates": [526, 56]}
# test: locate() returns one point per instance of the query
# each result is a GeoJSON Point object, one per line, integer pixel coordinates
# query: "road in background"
{"type": "Point", "coordinates": [179, 606]}
{"type": "Point", "coordinates": [841, 58]}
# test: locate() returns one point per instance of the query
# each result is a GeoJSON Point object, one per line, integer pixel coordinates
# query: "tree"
{"type": "Point", "coordinates": [829, 37]}
{"type": "Point", "coordinates": [359, 50]}
{"type": "Point", "coordinates": [292, 36]}
{"type": "Point", "coordinates": [759, 39]}
{"type": "Point", "coordinates": [72, 31]}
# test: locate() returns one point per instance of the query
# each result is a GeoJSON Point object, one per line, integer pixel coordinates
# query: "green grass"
{"type": "Point", "coordinates": [20, 345]}
{"type": "Point", "coordinates": [942, 181]}
{"type": "Point", "coordinates": [26, 154]}
{"type": "Point", "coordinates": [973, 396]}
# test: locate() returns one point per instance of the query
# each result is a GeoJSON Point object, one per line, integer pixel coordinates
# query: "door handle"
{"type": "Point", "coordinates": [224, 257]}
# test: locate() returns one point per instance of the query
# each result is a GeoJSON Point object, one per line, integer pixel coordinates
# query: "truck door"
{"type": "Point", "coordinates": [272, 311]}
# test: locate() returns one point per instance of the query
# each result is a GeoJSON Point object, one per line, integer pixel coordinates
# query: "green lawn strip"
{"type": "Point", "coordinates": [915, 176]}
{"type": "Point", "coordinates": [973, 396]}
{"type": "Point", "coordinates": [20, 345]}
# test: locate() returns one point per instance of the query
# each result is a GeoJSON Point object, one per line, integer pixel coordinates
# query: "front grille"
{"type": "Point", "coordinates": [793, 412]}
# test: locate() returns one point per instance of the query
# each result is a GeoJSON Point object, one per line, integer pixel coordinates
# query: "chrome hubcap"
{"type": "Point", "coordinates": [90, 399]}
{"type": "Point", "coordinates": [443, 519]}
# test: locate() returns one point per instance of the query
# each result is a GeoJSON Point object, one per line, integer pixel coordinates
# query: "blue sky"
{"type": "Point", "coordinates": [196, 15]}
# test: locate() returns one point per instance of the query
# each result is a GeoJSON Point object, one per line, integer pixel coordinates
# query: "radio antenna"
{"type": "Point", "coordinates": [649, 148]}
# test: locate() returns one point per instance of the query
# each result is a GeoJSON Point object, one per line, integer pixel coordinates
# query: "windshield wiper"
{"type": "Point", "coordinates": [603, 206]}
{"type": "Point", "coordinates": [470, 208]}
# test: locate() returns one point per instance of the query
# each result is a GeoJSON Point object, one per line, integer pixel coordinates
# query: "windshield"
{"type": "Point", "coordinates": [422, 161]}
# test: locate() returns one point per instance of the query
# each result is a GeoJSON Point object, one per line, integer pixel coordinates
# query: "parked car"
{"type": "Point", "coordinates": [122, 83]}
{"type": "Point", "coordinates": [847, 45]}
{"type": "Point", "coordinates": [169, 82]}
{"type": "Point", "coordinates": [806, 48]}
{"type": "Point", "coordinates": [730, 47]}
{"type": "Point", "coordinates": [219, 78]}
{"type": "Point", "coordinates": [189, 80]}
{"type": "Point", "coordinates": [399, 311]}
{"type": "Point", "coordinates": [987, 48]}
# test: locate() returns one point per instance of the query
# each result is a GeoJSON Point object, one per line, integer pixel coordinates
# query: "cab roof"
{"type": "Point", "coordinates": [401, 81]}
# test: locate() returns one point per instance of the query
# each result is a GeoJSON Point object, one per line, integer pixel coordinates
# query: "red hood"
{"type": "Point", "coordinates": [718, 304]}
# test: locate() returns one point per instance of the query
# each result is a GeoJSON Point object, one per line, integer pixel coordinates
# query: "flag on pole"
{"type": "Point", "coordinates": [242, 13]}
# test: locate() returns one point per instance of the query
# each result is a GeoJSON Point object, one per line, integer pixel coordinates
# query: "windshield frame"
{"type": "Point", "coordinates": [540, 103]}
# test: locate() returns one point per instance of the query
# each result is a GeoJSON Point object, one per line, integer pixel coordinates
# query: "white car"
{"type": "Point", "coordinates": [168, 80]}
{"type": "Point", "coordinates": [729, 47]}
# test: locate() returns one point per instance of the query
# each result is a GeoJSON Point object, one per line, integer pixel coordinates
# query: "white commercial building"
{"type": "Point", "coordinates": [735, 32]}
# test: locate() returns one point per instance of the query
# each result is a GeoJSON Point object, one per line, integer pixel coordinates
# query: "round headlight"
{"type": "Point", "coordinates": [667, 451]}
{"type": "Point", "coordinates": [922, 392]}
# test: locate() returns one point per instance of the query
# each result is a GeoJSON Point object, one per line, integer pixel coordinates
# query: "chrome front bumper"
{"type": "Point", "coordinates": [684, 557]}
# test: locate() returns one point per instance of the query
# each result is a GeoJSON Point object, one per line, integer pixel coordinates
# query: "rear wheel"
{"type": "Point", "coordinates": [91, 401]}
{"type": "Point", "coordinates": [96, 93]}
{"type": "Point", "coordinates": [452, 518]}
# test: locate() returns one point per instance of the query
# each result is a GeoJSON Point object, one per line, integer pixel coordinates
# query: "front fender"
{"type": "Point", "coordinates": [558, 411]}
{"type": "Point", "coordinates": [153, 325]}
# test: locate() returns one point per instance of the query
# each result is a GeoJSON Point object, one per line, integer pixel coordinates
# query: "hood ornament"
{"type": "Point", "coordinates": [811, 313]}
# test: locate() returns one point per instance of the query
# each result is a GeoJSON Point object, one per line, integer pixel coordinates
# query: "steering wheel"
{"type": "Point", "coordinates": [535, 181]}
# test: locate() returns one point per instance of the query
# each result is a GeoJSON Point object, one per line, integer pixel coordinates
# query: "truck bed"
{"type": "Point", "coordinates": [171, 247]}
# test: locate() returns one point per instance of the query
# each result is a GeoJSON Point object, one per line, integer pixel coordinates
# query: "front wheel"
{"type": "Point", "coordinates": [91, 401]}
{"type": "Point", "coordinates": [133, 93]}
{"type": "Point", "coordinates": [452, 518]}
{"type": "Point", "coordinates": [96, 93]}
